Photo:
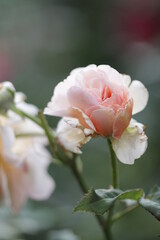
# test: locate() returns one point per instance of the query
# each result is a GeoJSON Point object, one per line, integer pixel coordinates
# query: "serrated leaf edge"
{"type": "Point", "coordinates": [116, 198]}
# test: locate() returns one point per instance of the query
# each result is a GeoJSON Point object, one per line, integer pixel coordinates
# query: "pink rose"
{"type": "Point", "coordinates": [101, 99]}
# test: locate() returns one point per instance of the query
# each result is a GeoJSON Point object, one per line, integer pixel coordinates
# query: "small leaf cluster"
{"type": "Point", "coordinates": [100, 201]}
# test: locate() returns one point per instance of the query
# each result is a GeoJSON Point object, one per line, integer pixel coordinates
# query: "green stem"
{"type": "Point", "coordinates": [114, 181]}
{"type": "Point", "coordinates": [46, 128]}
{"type": "Point", "coordinates": [78, 176]}
{"type": "Point", "coordinates": [50, 135]}
{"type": "Point", "coordinates": [24, 114]}
{"type": "Point", "coordinates": [41, 121]}
{"type": "Point", "coordinates": [31, 134]}
{"type": "Point", "coordinates": [85, 189]}
{"type": "Point", "coordinates": [114, 165]}
{"type": "Point", "coordinates": [117, 216]}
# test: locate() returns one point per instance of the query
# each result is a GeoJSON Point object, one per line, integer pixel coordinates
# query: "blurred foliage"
{"type": "Point", "coordinates": [41, 41]}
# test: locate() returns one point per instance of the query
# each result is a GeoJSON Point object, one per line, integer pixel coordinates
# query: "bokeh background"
{"type": "Point", "coordinates": [41, 41]}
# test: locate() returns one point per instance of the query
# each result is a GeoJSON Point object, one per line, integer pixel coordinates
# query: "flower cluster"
{"type": "Point", "coordinates": [98, 100]}
{"type": "Point", "coordinates": [23, 157]}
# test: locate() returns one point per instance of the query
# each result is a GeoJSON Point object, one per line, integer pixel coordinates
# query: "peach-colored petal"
{"type": "Point", "coordinates": [1, 188]}
{"type": "Point", "coordinates": [115, 102]}
{"type": "Point", "coordinates": [103, 121]}
{"type": "Point", "coordinates": [122, 119]}
{"type": "Point", "coordinates": [92, 109]}
{"type": "Point", "coordinates": [84, 120]}
{"type": "Point", "coordinates": [17, 183]}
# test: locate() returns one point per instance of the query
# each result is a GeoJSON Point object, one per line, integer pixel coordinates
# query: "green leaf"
{"type": "Point", "coordinates": [101, 200]}
{"type": "Point", "coordinates": [152, 202]}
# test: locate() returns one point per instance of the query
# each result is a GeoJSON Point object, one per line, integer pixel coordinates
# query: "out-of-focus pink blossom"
{"type": "Point", "coordinates": [24, 159]}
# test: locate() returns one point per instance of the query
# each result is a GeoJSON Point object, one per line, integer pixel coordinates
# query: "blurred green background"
{"type": "Point", "coordinates": [41, 41]}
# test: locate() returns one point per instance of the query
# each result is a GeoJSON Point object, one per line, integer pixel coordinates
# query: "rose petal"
{"type": "Point", "coordinates": [92, 79]}
{"type": "Point", "coordinates": [81, 99]}
{"type": "Point", "coordinates": [59, 104]}
{"type": "Point", "coordinates": [92, 109]}
{"type": "Point", "coordinates": [8, 85]}
{"type": "Point", "coordinates": [114, 102]}
{"type": "Point", "coordinates": [28, 108]}
{"type": "Point", "coordinates": [15, 185]}
{"type": "Point", "coordinates": [41, 190]}
{"type": "Point", "coordinates": [126, 79]}
{"type": "Point", "coordinates": [76, 70]}
{"type": "Point", "coordinates": [7, 137]}
{"type": "Point", "coordinates": [19, 97]}
{"type": "Point", "coordinates": [70, 136]}
{"type": "Point", "coordinates": [112, 75]}
{"type": "Point", "coordinates": [131, 145]}
{"type": "Point", "coordinates": [27, 127]}
{"type": "Point", "coordinates": [103, 121]}
{"type": "Point", "coordinates": [140, 96]}
{"type": "Point", "coordinates": [84, 120]}
{"type": "Point", "coordinates": [41, 183]}
{"type": "Point", "coordinates": [122, 119]}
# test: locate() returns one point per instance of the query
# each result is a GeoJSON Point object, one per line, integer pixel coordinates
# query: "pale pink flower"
{"type": "Point", "coordinates": [101, 98]}
{"type": "Point", "coordinates": [24, 160]}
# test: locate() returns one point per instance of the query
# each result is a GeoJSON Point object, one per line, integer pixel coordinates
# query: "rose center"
{"type": "Point", "coordinates": [106, 93]}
